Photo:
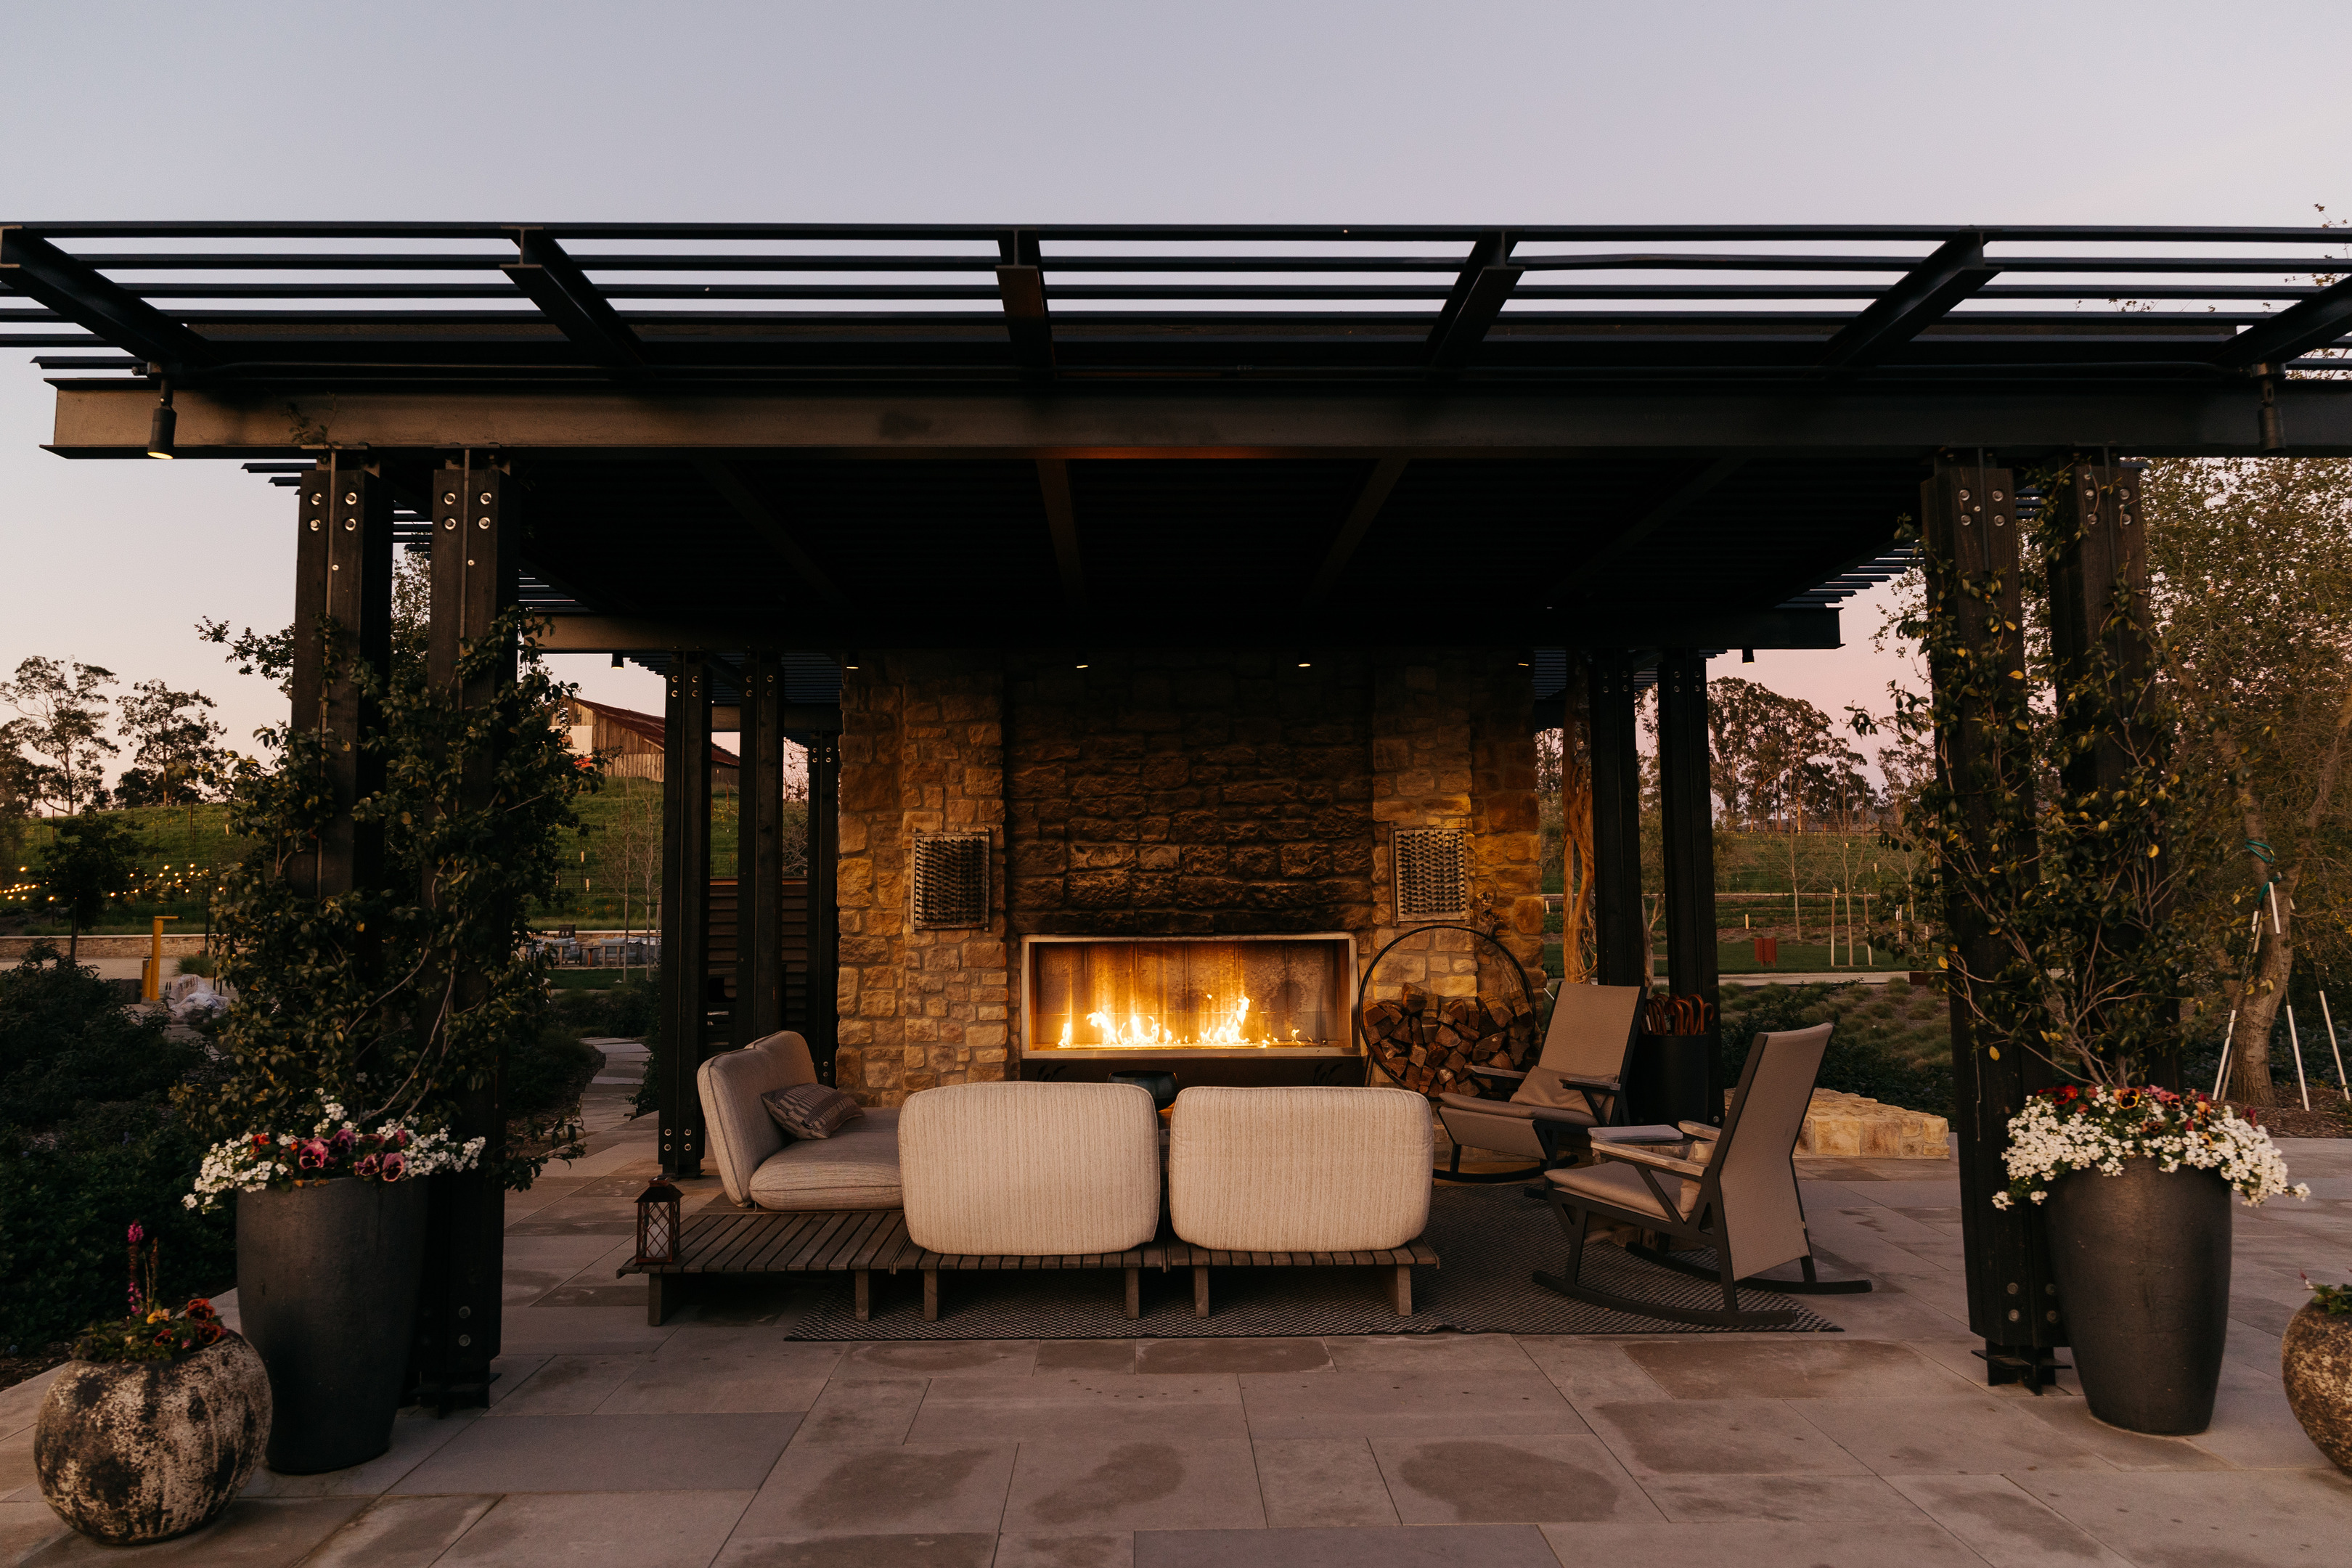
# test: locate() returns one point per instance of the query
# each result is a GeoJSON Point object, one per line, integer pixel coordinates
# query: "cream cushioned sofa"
{"type": "Point", "coordinates": [1030, 1169]}
{"type": "Point", "coordinates": [856, 1168]}
{"type": "Point", "coordinates": [1300, 1170]}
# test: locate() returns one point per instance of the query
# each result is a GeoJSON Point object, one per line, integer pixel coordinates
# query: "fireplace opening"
{"type": "Point", "coordinates": [1118, 998]}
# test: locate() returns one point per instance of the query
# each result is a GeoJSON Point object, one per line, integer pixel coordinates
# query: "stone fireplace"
{"type": "Point", "coordinates": [1153, 827]}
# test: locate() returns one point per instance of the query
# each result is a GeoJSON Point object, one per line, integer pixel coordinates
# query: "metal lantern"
{"type": "Point", "coordinates": [658, 1224]}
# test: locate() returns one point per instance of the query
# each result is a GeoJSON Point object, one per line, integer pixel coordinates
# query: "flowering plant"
{"type": "Point", "coordinates": [150, 1330]}
{"type": "Point", "coordinates": [2335, 1301]}
{"type": "Point", "coordinates": [334, 1148]}
{"type": "Point", "coordinates": [2068, 1129]}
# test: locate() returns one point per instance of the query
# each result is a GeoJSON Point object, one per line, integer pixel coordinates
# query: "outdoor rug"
{"type": "Point", "coordinates": [1488, 1238]}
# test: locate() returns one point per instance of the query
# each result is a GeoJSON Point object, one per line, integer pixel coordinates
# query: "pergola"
{"type": "Point", "coordinates": [745, 451]}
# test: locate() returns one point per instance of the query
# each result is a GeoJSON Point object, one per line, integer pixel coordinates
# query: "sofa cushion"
{"type": "Point", "coordinates": [1300, 1170]}
{"type": "Point", "coordinates": [729, 1084]}
{"type": "Point", "coordinates": [856, 1168]}
{"type": "Point", "coordinates": [808, 1109]}
{"type": "Point", "coordinates": [1031, 1169]}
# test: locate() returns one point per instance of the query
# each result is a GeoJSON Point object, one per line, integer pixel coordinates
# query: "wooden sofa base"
{"type": "Point", "coordinates": [859, 1242]}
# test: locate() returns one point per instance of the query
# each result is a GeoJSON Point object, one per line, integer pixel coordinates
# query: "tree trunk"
{"type": "Point", "coordinates": [73, 942]}
{"type": "Point", "coordinates": [2257, 1003]}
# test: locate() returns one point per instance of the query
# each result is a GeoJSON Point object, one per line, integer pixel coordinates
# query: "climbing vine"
{"type": "Point", "coordinates": [398, 998]}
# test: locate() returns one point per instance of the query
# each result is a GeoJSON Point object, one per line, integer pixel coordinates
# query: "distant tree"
{"type": "Point", "coordinates": [270, 655]}
{"type": "Point", "coordinates": [176, 758]}
{"type": "Point", "coordinates": [61, 711]}
{"type": "Point", "coordinates": [91, 860]}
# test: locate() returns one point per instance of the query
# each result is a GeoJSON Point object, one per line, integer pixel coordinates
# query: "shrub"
{"type": "Point", "coordinates": [1858, 1062]}
{"type": "Point", "coordinates": [87, 1145]}
{"type": "Point", "coordinates": [545, 1078]}
{"type": "Point", "coordinates": [629, 1010]}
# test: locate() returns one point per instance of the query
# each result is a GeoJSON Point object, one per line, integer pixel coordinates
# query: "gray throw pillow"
{"type": "Point", "coordinates": [810, 1110]}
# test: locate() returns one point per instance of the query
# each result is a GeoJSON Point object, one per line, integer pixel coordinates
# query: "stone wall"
{"type": "Point", "coordinates": [1159, 794]}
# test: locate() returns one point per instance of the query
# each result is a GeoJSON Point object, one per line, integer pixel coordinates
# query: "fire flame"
{"type": "Point", "coordinates": [1222, 1024]}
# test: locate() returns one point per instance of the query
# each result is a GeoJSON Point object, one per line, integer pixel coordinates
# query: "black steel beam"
{"type": "Point", "coordinates": [1062, 522]}
{"type": "Point", "coordinates": [81, 293]}
{"type": "Point", "coordinates": [2309, 324]}
{"type": "Point", "coordinates": [563, 293]}
{"type": "Point", "coordinates": [1973, 566]}
{"type": "Point", "coordinates": [1368, 500]}
{"type": "Point", "coordinates": [1621, 937]}
{"type": "Point", "coordinates": [823, 898]}
{"type": "Point", "coordinates": [343, 576]}
{"type": "Point", "coordinates": [1021, 284]}
{"type": "Point", "coordinates": [2214, 417]}
{"type": "Point", "coordinates": [1697, 481]}
{"type": "Point", "coordinates": [1925, 295]}
{"type": "Point", "coordinates": [722, 477]}
{"type": "Point", "coordinates": [759, 848]}
{"type": "Point", "coordinates": [684, 913]}
{"type": "Point", "coordinates": [1686, 822]}
{"type": "Point", "coordinates": [476, 542]}
{"type": "Point", "coordinates": [1475, 299]}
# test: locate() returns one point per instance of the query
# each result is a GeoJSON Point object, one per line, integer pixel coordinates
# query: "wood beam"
{"type": "Point", "coordinates": [722, 477]}
{"type": "Point", "coordinates": [1062, 521]}
{"type": "Point", "coordinates": [1695, 483]}
{"type": "Point", "coordinates": [564, 294]}
{"type": "Point", "coordinates": [1386, 473]}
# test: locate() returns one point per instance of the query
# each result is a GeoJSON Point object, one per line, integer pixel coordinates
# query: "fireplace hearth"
{"type": "Point", "coordinates": [1118, 998]}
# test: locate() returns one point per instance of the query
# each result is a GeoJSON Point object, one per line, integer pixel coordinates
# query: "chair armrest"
{"type": "Point", "coordinates": [1650, 1132]}
{"type": "Point", "coordinates": [1581, 1080]}
{"type": "Point", "coordinates": [1639, 1154]}
{"type": "Point", "coordinates": [1499, 1072]}
{"type": "Point", "coordinates": [1700, 1130]}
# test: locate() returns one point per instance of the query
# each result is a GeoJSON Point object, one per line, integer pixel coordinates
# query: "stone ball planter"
{"type": "Point", "coordinates": [130, 1452]}
{"type": "Point", "coordinates": [2142, 1261]}
{"type": "Point", "coordinates": [327, 1277]}
{"type": "Point", "coordinates": [2316, 1361]}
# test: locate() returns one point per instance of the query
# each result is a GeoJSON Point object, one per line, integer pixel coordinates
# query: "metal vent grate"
{"type": "Point", "coordinates": [951, 879]}
{"type": "Point", "coordinates": [1432, 873]}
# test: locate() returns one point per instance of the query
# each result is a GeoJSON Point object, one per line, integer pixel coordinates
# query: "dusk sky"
{"type": "Point", "coordinates": [1499, 115]}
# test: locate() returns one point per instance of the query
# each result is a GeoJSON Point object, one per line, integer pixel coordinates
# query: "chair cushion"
{"type": "Point", "coordinates": [1300, 1170]}
{"type": "Point", "coordinates": [1543, 1087]}
{"type": "Point", "coordinates": [737, 1125]}
{"type": "Point", "coordinates": [1619, 1185]}
{"type": "Point", "coordinates": [856, 1168]}
{"type": "Point", "coordinates": [808, 1109]}
{"type": "Point", "coordinates": [1029, 1170]}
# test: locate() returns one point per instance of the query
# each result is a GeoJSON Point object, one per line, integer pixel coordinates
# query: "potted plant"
{"type": "Point", "coordinates": [2316, 1361]}
{"type": "Point", "coordinates": [2134, 1186]}
{"type": "Point", "coordinates": [329, 1247]}
{"type": "Point", "coordinates": [371, 1021]}
{"type": "Point", "coordinates": [157, 1422]}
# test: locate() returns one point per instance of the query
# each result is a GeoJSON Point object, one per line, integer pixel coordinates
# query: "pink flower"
{"type": "Point", "coordinates": [310, 1155]}
{"type": "Point", "coordinates": [369, 1165]}
{"type": "Point", "coordinates": [395, 1166]}
{"type": "Point", "coordinates": [137, 1232]}
{"type": "Point", "coordinates": [340, 1142]}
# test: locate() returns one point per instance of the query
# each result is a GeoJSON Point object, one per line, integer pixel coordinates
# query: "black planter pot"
{"type": "Point", "coordinates": [2142, 1261]}
{"type": "Point", "coordinates": [326, 1290]}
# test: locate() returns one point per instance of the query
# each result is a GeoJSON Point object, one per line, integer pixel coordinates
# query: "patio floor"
{"type": "Point", "coordinates": [714, 1440]}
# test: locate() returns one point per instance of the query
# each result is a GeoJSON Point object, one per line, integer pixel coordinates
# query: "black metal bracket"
{"type": "Point", "coordinates": [2036, 1366]}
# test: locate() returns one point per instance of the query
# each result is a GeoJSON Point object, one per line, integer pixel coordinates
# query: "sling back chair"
{"type": "Point", "coordinates": [1576, 1085]}
{"type": "Point", "coordinates": [1732, 1191]}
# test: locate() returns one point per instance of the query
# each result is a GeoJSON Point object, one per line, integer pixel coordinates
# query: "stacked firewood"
{"type": "Point", "coordinates": [1431, 1045]}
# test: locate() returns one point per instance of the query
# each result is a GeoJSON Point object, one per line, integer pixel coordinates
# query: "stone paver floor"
{"type": "Point", "coordinates": [716, 1440]}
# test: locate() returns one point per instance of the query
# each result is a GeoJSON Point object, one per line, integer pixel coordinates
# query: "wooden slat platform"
{"type": "Point", "coordinates": [859, 1241]}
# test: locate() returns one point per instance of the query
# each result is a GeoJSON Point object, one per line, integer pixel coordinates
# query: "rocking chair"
{"type": "Point", "coordinates": [1576, 1085]}
{"type": "Point", "coordinates": [1733, 1192]}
